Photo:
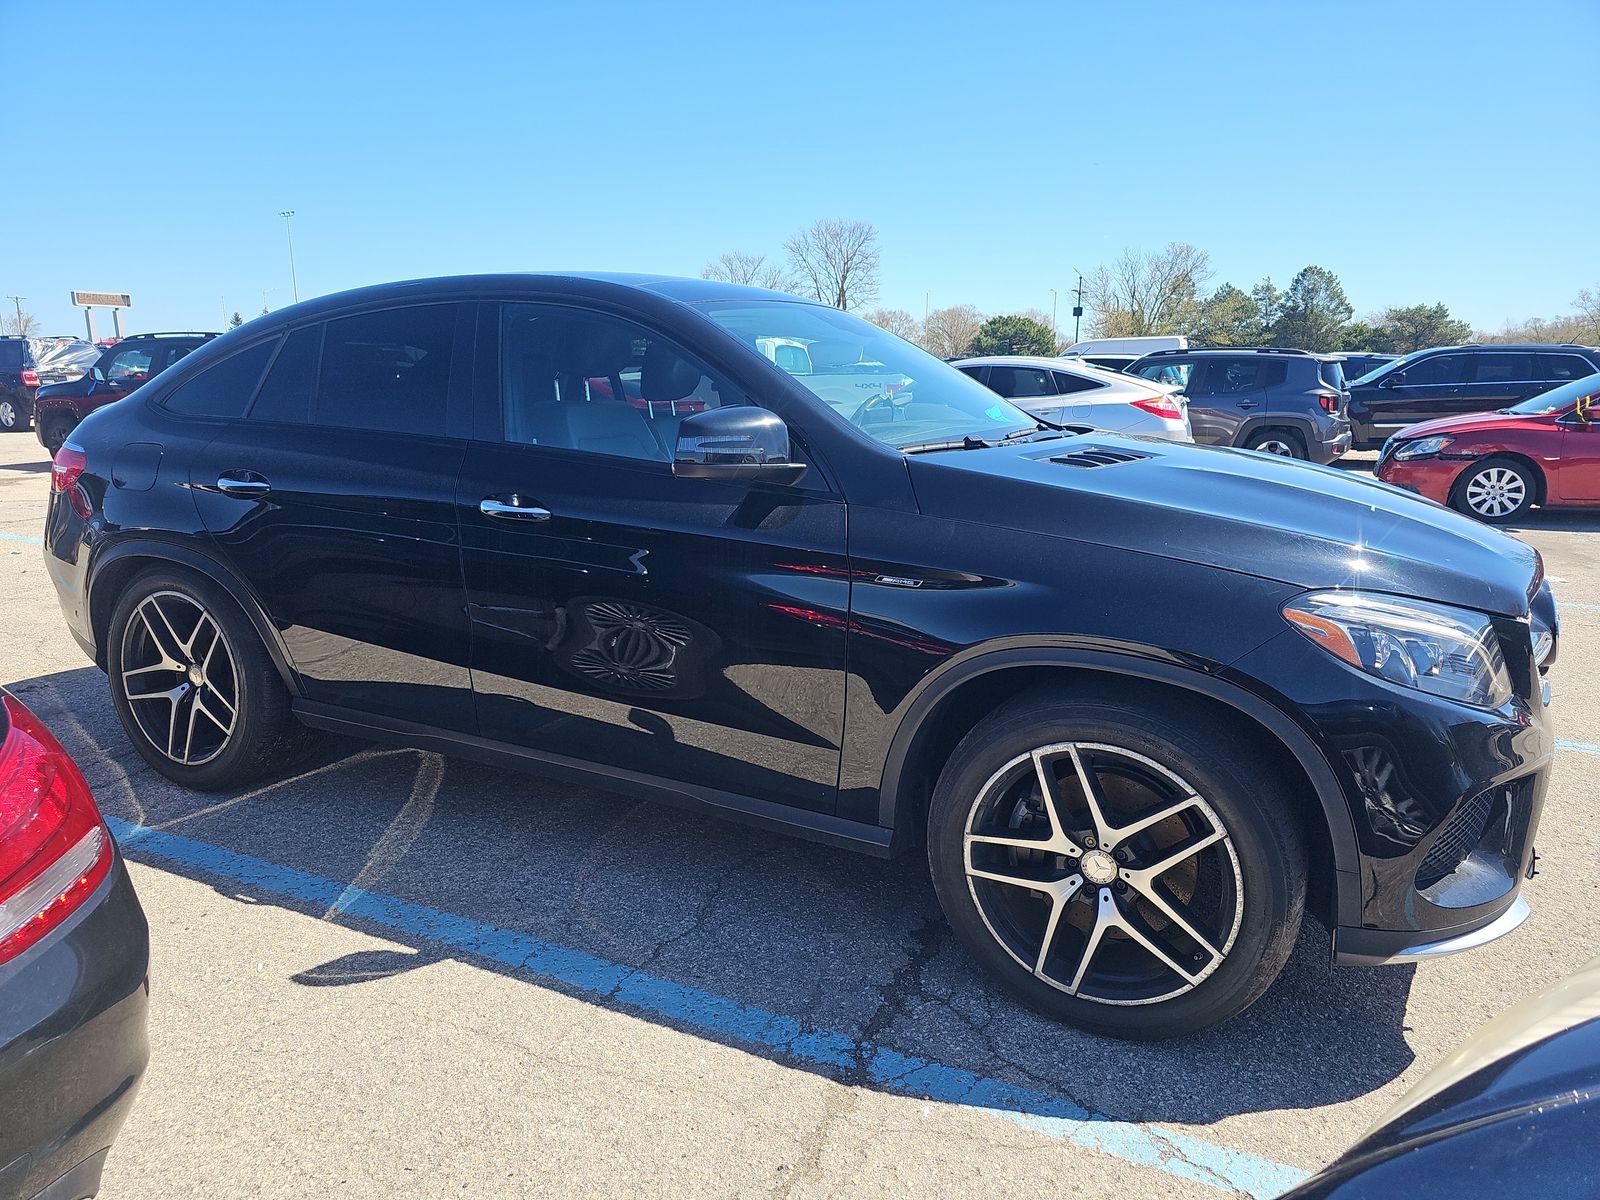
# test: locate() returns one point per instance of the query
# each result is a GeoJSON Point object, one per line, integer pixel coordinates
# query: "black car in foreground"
{"type": "Point", "coordinates": [1512, 1113]}
{"type": "Point", "coordinates": [1140, 704]}
{"type": "Point", "coordinates": [74, 954]}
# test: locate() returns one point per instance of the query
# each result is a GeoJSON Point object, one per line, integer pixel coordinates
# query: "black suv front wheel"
{"type": "Point", "coordinates": [1123, 869]}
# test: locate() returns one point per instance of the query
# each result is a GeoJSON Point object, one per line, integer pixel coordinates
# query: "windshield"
{"type": "Point", "coordinates": [901, 395]}
{"type": "Point", "coordinates": [1387, 366]}
{"type": "Point", "coordinates": [1557, 398]}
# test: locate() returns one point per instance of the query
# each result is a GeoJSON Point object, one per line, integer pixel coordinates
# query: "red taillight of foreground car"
{"type": "Point", "coordinates": [1160, 406]}
{"type": "Point", "coordinates": [30, 377]}
{"type": "Point", "coordinates": [54, 848]}
{"type": "Point", "coordinates": [1329, 403]}
{"type": "Point", "coordinates": [65, 471]}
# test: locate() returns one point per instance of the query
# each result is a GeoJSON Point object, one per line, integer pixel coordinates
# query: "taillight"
{"type": "Point", "coordinates": [54, 848]}
{"type": "Point", "coordinates": [68, 467]}
{"type": "Point", "coordinates": [30, 377]}
{"type": "Point", "coordinates": [1329, 403]}
{"type": "Point", "coordinates": [1160, 406]}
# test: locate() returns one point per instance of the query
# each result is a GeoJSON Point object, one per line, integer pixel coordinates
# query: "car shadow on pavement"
{"type": "Point", "coordinates": [833, 941]}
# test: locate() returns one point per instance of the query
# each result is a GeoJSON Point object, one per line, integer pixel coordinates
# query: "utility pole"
{"type": "Point", "coordinates": [287, 214]}
{"type": "Point", "coordinates": [19, 300]}
{"type": "Point", "coordinates": [1077, 309]}
{"type": "Point", "coordinates": [1053, 310]}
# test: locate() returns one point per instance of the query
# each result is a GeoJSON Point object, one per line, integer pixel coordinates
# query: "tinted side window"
{"type": "Point", "coordinates": [1067, 383]}
{"type": "Point", "coordinates": [585, 381]}
{"type": "Point", "coordinates": [1562, 367]}
{"type": "Point", "coordinates": [1274, 373]}
{"type": "Point", "coordinates": [975, 372]}
{"type": "Point", "coordinates": [1441, 368]}
{"type": "Point", "coordinates": [1020, 381]}
{"type": "Point", "coordinates": [223, 389]}
{"type": "Point", "coordinates": [1169, 372]}
{"type": "Point", "coordinates": [292, 381]}
{"type": "Point", "coordinates": [388, 371]}
{"type": "Point", "coordinates": [1505, 368]}
{"type": "Point", "coordinates": [10, 355]}
{"type": "Point", "coordinates": [1228, 377]}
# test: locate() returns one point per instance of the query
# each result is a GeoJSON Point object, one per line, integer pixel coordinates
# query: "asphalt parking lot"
{"type": "Point", "coordinates": [399, 975]}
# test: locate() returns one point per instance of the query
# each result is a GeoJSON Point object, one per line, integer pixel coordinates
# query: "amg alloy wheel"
{"type": "Point", "coordinates": [1131, 864]}
{"type": "Point", "coordinates": [1103, 873]}
{"type": "Point", "coordinates": [179, 677]}
{"type": "Point", "coordinates": [194, 686]}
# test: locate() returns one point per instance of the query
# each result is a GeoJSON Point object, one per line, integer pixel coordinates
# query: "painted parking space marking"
{"type": "Point", "coordinates": [1158, 1147]}
{"type": "Point", "coordinates": [21, 537]}
{"type": "Point", "coordinates": [1580, 747]}
{"type": "Point", "coordinates": [1563, 605]}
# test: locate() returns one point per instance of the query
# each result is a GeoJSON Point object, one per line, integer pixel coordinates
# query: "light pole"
{"type": "Point", "coordinates": [1053, 308]}
{"type": "Point", "coordinates": [289, 233]}
{"type": "Point", "coordinates": [1077, 310]}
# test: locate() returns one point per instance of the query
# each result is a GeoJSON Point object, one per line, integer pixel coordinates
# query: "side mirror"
{"type": "Point", "coordinates": [735, 443]}
{"type": "Point", "coordinates": [96, 374]}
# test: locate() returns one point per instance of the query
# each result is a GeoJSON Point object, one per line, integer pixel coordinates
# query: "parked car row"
{"type": "Point", "coordinates": [1065, 391]}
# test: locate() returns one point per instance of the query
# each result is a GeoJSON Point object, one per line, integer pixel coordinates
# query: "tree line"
{"type": "Point", "coordinates": [1140, 294]}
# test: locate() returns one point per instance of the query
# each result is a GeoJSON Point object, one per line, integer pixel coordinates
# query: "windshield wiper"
{"type": "Point", "coordinates": [1038, 433]}
{"type": "Point", "coordinates": [965, 443]}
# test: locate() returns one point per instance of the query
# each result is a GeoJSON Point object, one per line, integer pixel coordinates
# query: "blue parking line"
{"type": "Point", "coordinates": [1158, 1147]}
{"type": "Point", "coordinates": [21, 537]}
{"type": "Point", "coordinates": [1563, 605]}
{"type": "Point", "coordinates": [1580, 747]}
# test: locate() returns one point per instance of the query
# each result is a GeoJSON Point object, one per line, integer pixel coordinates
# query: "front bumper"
{"type": "Point", "coordinates": [73, 1044]}
{"type": "Point", "coordinates": [1444, 799]}
{"type": "Point", "coordinates": [1433, 478]}
{"type": "Point", "coordinates": [1377, 947]}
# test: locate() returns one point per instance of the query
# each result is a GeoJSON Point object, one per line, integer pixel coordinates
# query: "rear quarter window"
{"type": "Point", "coordinates": [223, 389]}
{"type": "Point", "coordinates": [1332, 374]}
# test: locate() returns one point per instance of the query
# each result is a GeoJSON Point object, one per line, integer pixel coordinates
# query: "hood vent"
{"type": "Point", "coordinates": [1098, 456]}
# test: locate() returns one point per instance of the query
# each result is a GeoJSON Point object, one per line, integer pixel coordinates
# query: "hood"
{"type": "Point", "coordinates": [1274, 518]}
{"type": "Point", "coordinates": [1489, 422]}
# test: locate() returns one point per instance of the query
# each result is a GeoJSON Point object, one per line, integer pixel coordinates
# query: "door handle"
{"type": "Point", "coordinates": [244, 484]}
{"type": "Point", "coordinates": [516, 510]}
{"type": "Point", "coordinates": [1248, 404]}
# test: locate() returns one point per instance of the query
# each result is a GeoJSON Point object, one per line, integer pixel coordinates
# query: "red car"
{"type": "Point", "coordinates": [1497, 465]}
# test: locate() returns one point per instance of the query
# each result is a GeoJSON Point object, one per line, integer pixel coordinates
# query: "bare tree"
{"type": "Point", "coordinates": [897, 321]}
{"type": "Point", "coordinates": [21, 324]}
{"type": "Point", "coordinates": [836, 262]}
{"type": "Point", "coordinates": [1588, 305]}
{"type": "Point", "coordinates": [1148, 292]}
{"type": "Point", "coordinates": [735, 266]}
{"type": "Point", "coordinates": [950, 332]}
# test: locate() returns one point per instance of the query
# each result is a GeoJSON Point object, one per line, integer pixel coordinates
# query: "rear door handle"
{"type": "Point", "coordinates": [512, 508]}
{"type": "Point", "coordinates": [244, 484]}
{"type": "Point", "coordinates": [1248, 404]}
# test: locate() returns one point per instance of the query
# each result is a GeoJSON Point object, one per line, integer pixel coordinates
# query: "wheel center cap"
{"type": "Point", "coordinates": [196, 675]}
{"type": "Point", "coordinates": [1098, 867]}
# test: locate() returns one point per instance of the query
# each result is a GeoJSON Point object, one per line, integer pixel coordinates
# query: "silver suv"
{"type": "Point", "coordinates": [1280, 401]}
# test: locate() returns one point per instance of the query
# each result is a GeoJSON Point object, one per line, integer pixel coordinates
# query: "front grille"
{"type": "Point", "coordinates": [1460, 835]}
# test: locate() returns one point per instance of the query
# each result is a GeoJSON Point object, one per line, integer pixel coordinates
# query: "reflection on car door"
{"type": "Point", "coordinates": [689, 630]}
{"type": "Point", "coordinates": [1431, 387]}
{"type": "Point", "coordinates": [335, 501]}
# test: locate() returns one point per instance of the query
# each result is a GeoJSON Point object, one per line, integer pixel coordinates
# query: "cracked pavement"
{"type": "Point", "coordinates": [300, 1052]}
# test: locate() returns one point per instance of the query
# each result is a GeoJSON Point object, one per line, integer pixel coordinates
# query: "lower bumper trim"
{"type": "Point", "coordinates": [1371, 947]}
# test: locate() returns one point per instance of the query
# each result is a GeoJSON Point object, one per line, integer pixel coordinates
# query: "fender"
{"type": "Point", "coordinates": [184, 554]}
{"type": "Point", "coordinates": [1305, 427]}
{"type": "Point", "coordinates": [942, 682]}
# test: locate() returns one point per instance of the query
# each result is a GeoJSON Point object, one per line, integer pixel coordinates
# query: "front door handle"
{"type": "Point", "coordinates": [244, 484]}
{"type": "Point", "coordinates": [512, 508]}
{"type": "Point", "coordinates": [1248, 404]}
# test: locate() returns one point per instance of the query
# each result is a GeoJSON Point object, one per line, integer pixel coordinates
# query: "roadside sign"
{"type": "Point", "coordinates": [102, 299]}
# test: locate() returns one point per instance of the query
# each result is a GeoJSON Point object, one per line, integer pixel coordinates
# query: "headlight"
{"type": "Point", "coordinates": [1449, 652]}
{"type": "Point", "coordinates": [1422, 447]}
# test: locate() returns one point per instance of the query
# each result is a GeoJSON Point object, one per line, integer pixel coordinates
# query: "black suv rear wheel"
{"type": "Point", "coordinates": [195, 689]}
{"type": "Point", "coordinates": [13, 415]}
{"type": "Point", "coordinates": [1126, 870]}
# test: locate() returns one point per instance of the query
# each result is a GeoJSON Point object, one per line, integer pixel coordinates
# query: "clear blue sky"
{"type": "Point", "coordinates": [1422, 151]}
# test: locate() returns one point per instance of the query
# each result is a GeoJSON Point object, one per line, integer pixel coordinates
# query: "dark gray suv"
{"type": "Point", "coordinates": [1288, 402]}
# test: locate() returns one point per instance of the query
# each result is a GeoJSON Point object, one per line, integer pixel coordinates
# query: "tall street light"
{"type": "Point", "coordinates": [289, 233]}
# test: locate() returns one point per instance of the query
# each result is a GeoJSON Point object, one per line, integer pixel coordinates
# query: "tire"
{"type": "Point", "coordinates": [1495, 490]}
{"type": "Point", "coordinates": [1286, 443]}
{"type": "Point", "coordinates": [1148, 975]}
{"type": "Point", "coordinates": [194, 688]}
{"type": "Point", "coordinates": [54, 430]}
{"type": "Point", "coordinates": [13, 415]}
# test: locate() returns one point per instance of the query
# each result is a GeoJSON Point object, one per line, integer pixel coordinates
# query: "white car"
{"type": "Point", "coordinates": [1070, 392]}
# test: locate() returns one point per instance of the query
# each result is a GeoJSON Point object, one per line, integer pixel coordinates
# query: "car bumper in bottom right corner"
{"type": "Point", "coordinates": [1377, 947]}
